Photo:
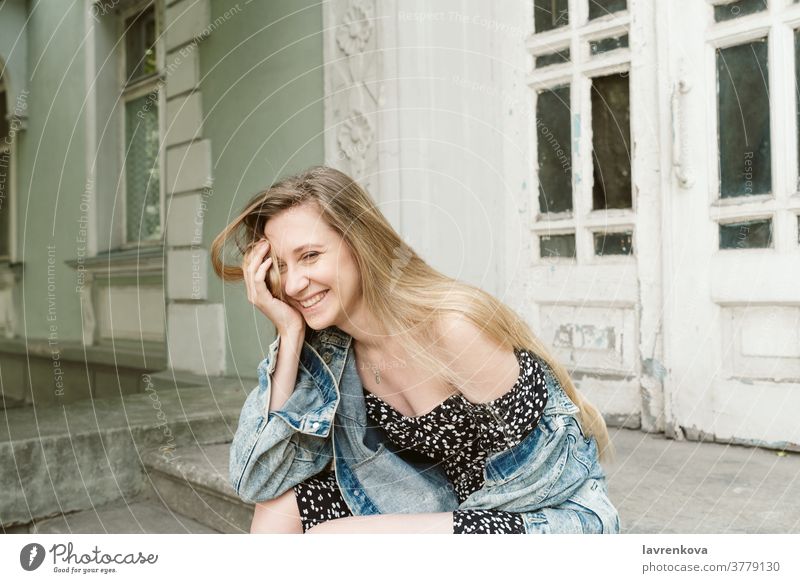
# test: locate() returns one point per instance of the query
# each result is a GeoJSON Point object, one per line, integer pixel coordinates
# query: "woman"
{"type": "Point", "coordinates": [400, 400]}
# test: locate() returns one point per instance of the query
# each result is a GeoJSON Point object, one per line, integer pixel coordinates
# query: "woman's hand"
{"type": "Point", "coordinates": [285, 318]}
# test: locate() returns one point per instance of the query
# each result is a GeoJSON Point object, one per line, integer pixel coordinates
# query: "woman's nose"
{"type": "Point", "coordinates": [296, 282]}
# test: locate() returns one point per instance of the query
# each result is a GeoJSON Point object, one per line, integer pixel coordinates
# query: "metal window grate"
{"type": "Point", "coordinates": [143, 205]}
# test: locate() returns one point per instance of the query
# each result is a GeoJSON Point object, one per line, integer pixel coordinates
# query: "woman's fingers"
{"type": "Point", "coordinates": [252, 262]}
{"type": "Point", "coordinates": [260, 276]}
{"type": "Point", "coordinates": [255, 271]}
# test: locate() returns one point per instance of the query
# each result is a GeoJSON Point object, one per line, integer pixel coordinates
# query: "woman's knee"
{"type": "Point", "coordinates": [277, 516]}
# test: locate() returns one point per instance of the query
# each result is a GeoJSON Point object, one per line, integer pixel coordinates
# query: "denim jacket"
{"type": "Point", "coordinates": [552, 477]}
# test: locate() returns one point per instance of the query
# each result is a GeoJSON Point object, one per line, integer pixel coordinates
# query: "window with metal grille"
{"type": "Point", "coordinates": [142, 156]}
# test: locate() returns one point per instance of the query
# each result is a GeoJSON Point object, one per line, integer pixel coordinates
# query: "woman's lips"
{"type": "Point", "coordinates": [317, 298]}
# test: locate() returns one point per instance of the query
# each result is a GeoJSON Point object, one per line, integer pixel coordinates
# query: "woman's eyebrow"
{"type": "Point", "coordinates": [304, 247]}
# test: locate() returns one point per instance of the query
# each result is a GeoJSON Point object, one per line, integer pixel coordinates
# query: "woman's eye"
{"type": "Point", "coordinates": [310, 255]}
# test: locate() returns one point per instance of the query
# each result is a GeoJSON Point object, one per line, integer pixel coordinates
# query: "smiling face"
{"type": "Point", "coordinates": [319, 274]}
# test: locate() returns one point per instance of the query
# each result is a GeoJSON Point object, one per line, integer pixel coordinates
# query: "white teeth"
{"type": "Point", "coordinates": [311, 301]}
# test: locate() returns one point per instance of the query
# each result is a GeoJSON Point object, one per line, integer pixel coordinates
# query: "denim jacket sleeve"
{"type": "Point", "coordinates": [270, 452]}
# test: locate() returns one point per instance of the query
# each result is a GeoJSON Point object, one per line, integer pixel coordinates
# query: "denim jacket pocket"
{"type": "Point", "coordinates": [361, 463]}
{"type": "Point", "coordinates": [506, 465]}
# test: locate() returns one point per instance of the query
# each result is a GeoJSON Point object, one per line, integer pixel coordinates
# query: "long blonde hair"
{"type": "Point", "coordinates": [399, 288]}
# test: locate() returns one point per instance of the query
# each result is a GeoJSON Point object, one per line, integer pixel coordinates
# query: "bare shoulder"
{"type": "Point", "coordinates": [486, 369]}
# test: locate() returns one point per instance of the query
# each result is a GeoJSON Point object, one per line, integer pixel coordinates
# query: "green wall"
{"type": "Point", "coordinates": [51, 168]}
{"type": "Point", "coordinates": [262, 88]}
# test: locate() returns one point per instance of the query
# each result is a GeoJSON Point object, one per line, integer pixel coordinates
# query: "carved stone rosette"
{"type": "Point", "coordinates": [352, 88]}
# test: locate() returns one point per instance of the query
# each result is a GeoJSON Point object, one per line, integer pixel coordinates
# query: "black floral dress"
{"type": "Point", "coordinates": [459, 434]}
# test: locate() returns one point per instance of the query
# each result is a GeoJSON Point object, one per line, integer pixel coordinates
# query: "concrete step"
{"type": "Point", "coordinates": [68, 458]}
{"type": "Point", "coordinates": [195, 484]}
{"type": "Point", "coordinates": [144, 516]}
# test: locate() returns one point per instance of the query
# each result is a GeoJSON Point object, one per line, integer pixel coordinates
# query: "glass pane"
{"type": "Point", "coordinates": [554, 150]}
{"type": "Point", "coordinates": [613, 243]}
{"type": "Point", "coordinates": [5, 177]}
{"type": "Point", "coordinates": [557, 246]}
{"type": "Point", "coordinates": [746, 235]}
{"type": "Point", "coordinates": [745, 152]}
{"type": "Point", "coordinates": [140, 39]}
{"type": "Point", "coordinates": [608, 44]}
{"type": "Point", "coordinates": [550, 14]}
{"type": "Point", "coordinates": [737, 9]}
{"type": "Point", "coordinates": [611, 142]}
{"type": "Point", "coordinates": [142, 202]}
{"type": "Point", "coordinates": [600, 8]}
{"type": "Point", "coordinates": [556, 58]}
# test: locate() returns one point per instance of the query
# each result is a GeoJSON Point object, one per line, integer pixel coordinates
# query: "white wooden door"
{"type": "Point", "coordinates": [732, 277]}
{"type": "Point", "coordinates": [593, 289]}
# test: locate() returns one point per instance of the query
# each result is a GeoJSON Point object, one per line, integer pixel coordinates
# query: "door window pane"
{"type": "Point", "coordinates": [613, 243]}
{"type": "Point", "coordinates": [746, 235]}
{"type": "Point", "coordinates": [611, 142]}
{"type": "Point", "coordinates": [554, 150]}
{"type": "Point", "coordinates": [600, 8]}
{"type": "Point", "coordinates": [557, 245]}
{"type": "Point", "coordinates": [605, 45]}
{"type": "Point", "coordinates": [745, 152]}
{"type": "Point", "coordinates": [556, 58]}
{"type": "Point", "coordinates": [142, 192]}
{"type": "Point", "coordinates": [550, 14]}
{"type": "Point", "coordinates": [736, 9]}
{"type": "Point", "coordinates": [140, 39]}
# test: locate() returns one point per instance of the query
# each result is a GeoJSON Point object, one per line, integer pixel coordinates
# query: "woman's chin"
{"type": "Point", "coordinates": [317, 322]}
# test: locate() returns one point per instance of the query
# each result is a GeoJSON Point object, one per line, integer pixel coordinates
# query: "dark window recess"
{"type": "Point", "coordinates": [746, 235]}
{"type": "Point", "coordinates": [745, 150]}
{"type": "Point", "coordinates": [605, 45]}
{"type": "Point", "coordinates": [4, 125]}
{"type": "Point", "coordinates": [600, 8]}
{"type": "Point", "coordinates": [613, 243]}
{"type": "Point", "coordinates": [737, 9]}
{"type": "Point", "coordinates": [557, 58]}
{"type": "Point", "coordinates": [554, 152]}
{"type": "Point", "coordinates": [611, 142]}
{"type": "Point", "coordinates": [140, 39]}
{"type": "Point", "coordinates": [550, 14]}
{"type": "Point", "coordinates": [5, 164]}
{"type": "Point", "coordinates": [557, 246]}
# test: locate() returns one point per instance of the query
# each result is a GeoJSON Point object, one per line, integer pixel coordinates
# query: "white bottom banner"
{"type": "Point", "coordinates": [31, 557]}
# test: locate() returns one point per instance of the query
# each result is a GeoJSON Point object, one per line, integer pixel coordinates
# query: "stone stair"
{"type": "Point", "coordinates": [144, 516]}
{"type": "Point", "coordinates": [153, 462]}
{"type": "Point", "coordinates": [195, 484]}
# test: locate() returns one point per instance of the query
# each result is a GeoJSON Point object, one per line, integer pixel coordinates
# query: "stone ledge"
{"type": "Point", "coordinates": [145, 516]}
{"type": "Point", "coordinates": [145, 356]}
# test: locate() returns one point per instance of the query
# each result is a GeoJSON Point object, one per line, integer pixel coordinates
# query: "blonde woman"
{"type": "Point", "coordinates": [395, 398]}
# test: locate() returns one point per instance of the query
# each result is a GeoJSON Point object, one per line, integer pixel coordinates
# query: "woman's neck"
{"type": "Point", "coordinates": [366, 330]}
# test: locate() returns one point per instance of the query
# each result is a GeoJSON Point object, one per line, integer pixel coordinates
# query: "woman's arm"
{"type": "Point", "coordinates": [275, 447]}
{"type": "Point", "coordinates": [285, 375]}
